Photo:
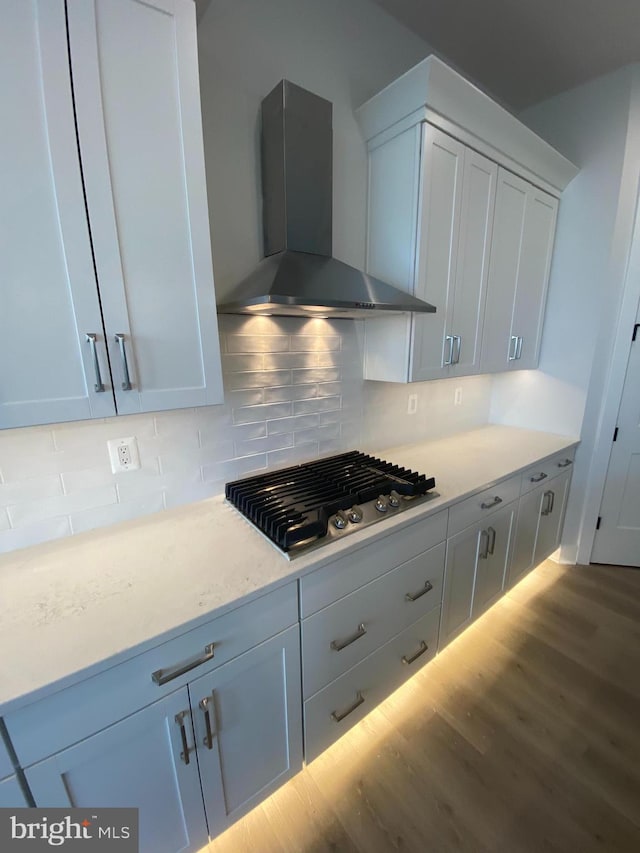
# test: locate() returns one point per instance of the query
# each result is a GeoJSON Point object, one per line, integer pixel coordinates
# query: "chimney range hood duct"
{"type": "Point", "coordinates": [298, 276]}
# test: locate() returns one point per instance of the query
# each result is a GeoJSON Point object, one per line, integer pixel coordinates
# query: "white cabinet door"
{"type": "Point", "coordinates": [459, 579]}
{"type": "Point", "coordinates": [552, 508]}
{"type": "Point", "coordinates": [522, 244]}
{"type": "Point", "coordinates": [464, 327]}
{"type": "Point", "coordinates": [248, 727]}
{"type": "Point", "coordinates": [135, 78]}
{"type": "Point", "coordinates": [496, 543]}
{"type": "Point", "coordinates": [48, 295]}
{"type": "Point", "coordinates": [439, 231]}
{"type": "Point", "coordinates": [137, 763]}
{"type": "Point", "coordinates": [524, 549]}
{"type": "Point", "coordinates": [11, 794]}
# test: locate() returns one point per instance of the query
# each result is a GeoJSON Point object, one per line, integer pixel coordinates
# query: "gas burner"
{"type": "Point", "coordinates": [308, 505]}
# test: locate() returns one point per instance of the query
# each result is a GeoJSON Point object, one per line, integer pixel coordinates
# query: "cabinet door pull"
{"type": "Point", "coordinates": [204, 704]}
{"type": "Point", "coordinates": [99, 386]}
{"type": "Point", "coordinates": [338, 645]}
{"type": "Point", "coordinates": [519, 348]}
{"type": "Point", "coordinates": [458, 345]}
{"type": "Point", "coordinates": [491, 547]}
{"type": "Point", "coordinates": [548, 503]}
{"type": "Point", "coordinates": [449, 339]}
{"type": "Point", "coordinates": [414, 596]}
{"type": "Point", "coordinates": [513, 348]}
{"type": "Point", "coordinates": [161, 676]}
{"type": "Point", "coordinates": [423, 648]}
{"type": "Point", "coordinates": [553, 500]}
{"type": "Point", "coordinates": [337, 716]}
{"type": "Point", "coordinates": [186, 749]}
{"type": "Point", "coordinates": [538, 477]}
{"type": "Point", "coordinates": [484, 551]}
{"type": "Point", "coordinates": [126, 384]}
{"type": "Point", "coordinates": [565, 463]}
{"type": "Point", "coordinates": [497, 500]}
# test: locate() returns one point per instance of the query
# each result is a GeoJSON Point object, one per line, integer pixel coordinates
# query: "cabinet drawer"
{"type": "Point", "coordinates": [341, 704]}
{"type": "Point", "coordinates": [53, 723]}
{"type": "Point", "coordinates": [479, 506]}
{"type": "Point", "coordinates": [365, 619]}
{"type": "Point", "coordinates": [545, 470]}
{"type": "Point", "coordinates": [331, 582]}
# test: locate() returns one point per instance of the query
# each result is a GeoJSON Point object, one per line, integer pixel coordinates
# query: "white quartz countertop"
{"type": "Point", "coordinates": [70, 608]}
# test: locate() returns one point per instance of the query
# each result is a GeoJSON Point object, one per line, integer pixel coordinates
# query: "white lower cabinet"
{"type": "Point", "coordinates": [476, 565]}
{"type": "Point", "coordinates": [540, 519]}
{"type": "Point", "coordinates": [247, 718]}
{"type": "Point", "coordinates": [11, 794]}
{"type": "Point", "coordinates": [139, 762]}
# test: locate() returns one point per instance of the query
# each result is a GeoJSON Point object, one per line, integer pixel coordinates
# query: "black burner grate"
{"type": "Point", "coordinates": [294, 505]}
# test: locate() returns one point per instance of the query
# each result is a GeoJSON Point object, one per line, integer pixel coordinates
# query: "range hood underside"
{"type": "Point", "coordinates": [304, 284]}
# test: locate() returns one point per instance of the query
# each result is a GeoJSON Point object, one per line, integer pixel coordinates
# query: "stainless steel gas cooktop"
{"type": "Point", "coordinates": [309, 505]}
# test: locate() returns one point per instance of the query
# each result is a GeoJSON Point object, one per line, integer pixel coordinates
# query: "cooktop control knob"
{"type": "Point", "coordinates": [381, 504]}
{"type": "Point", "coordinates": [394, 499]}
{"type": "Point", "coordinates": [355, 514]}
{"type": "Point", "coordinates": [340, 520]}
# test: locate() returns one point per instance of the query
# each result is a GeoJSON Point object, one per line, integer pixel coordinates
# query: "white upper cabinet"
{"type": "Point", "coordinates": [48, 297]}
{"type": "Point", "coordinates": [144, 336]}
{"type": "Point", "coordinates": [433, 240]}
{"type": "Point", "coordinates": [523, 232]}
{"type": "Point", "coordinates": [461, 213]}
{"type": "Point", "coordinates": [137, 97]}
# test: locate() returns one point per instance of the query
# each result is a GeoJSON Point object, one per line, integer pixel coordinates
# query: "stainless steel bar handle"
{"type": "Point", "coordinates": [99, 386]}
{"type": "Point", "coordinates": [186, 749]}
{"type": "Point", "coordinates": [497, 500]}
{"type": "Point", "coordinates": [492, 540]}
{"type": "Point", "coordinates": [414, 596]}
{"type": "Point", "coordinates": [423, 648]}
{"type": "Point", "coordinates": [337, 716]}
{"type": "Point", "coordinates": [519, 348]}
{"type": "Point", "coordinates": [484, 551]}
{"type": "Point", "coordinates": [546, 507]}
{"type": "Point", "coordinates": [449, 359]}
{"type": "Point", "coordinates": [338, 645]}
{"type": "Point", "coordinates": [204, 704]}
{"type": "Point", "coordinates": [458, 346]}
{"type": "Point", "coordinates": [539, 477]}
{"type": "Point", "coordinates": [162, 676]}
{"type": "Point", "coordinates": [126, 384]}
{"type": "Point", "coordinates": [513, 348]}
{"type": "Point", "coordinates": [565, 463]}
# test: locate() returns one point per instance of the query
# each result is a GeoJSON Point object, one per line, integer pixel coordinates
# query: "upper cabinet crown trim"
{"type": "Point", "coordinates": [433, 90]}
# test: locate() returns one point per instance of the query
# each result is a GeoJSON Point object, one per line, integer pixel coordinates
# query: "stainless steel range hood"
{"type": "Point", "coordinates": [298, 275]}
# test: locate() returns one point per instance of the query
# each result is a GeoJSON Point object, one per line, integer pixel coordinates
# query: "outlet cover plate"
{"type": "Point", "coordinates": [124, 454]}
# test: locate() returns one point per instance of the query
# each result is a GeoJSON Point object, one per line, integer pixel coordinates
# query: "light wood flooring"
{"type": "Point", "coordinates": [523, 735]}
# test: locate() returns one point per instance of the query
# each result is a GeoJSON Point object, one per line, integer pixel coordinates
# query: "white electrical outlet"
{"type": "Point", "coordinates": [123, 453]}
{"type": "Point", "coordinates": [457, 397]}
{"type": "Point", "coordinates": [412, 404]}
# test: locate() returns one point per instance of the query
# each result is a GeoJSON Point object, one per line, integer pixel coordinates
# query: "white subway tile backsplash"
{"type": "Point", "coordinates": [257, 343]}
{"type": "Point", "coordinates": [321, 404]}
{"type": "Point", "coordinates": [30, 489]}
{"type": "Point", "coordinates": [30, 512]}
{"type": "Point", "coordinates": [292, 424]}
{"type": "Point", "coordinates": [102, 516]}
{"type": "Point", "coordinates": [293, 391]}
{"type": "Point", "coordinates": [251, 414]}
{"type": "Point", "coordinates": [32, 534]}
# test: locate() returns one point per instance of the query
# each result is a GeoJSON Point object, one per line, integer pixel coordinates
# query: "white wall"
{"type": "Point", "coordinates": [293, 387]}
{"type": "Point", "coordinates": [590, 125]}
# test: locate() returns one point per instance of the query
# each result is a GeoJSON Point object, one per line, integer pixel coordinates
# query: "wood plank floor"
{"type": "Point", "coordinates": [523, 735]}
